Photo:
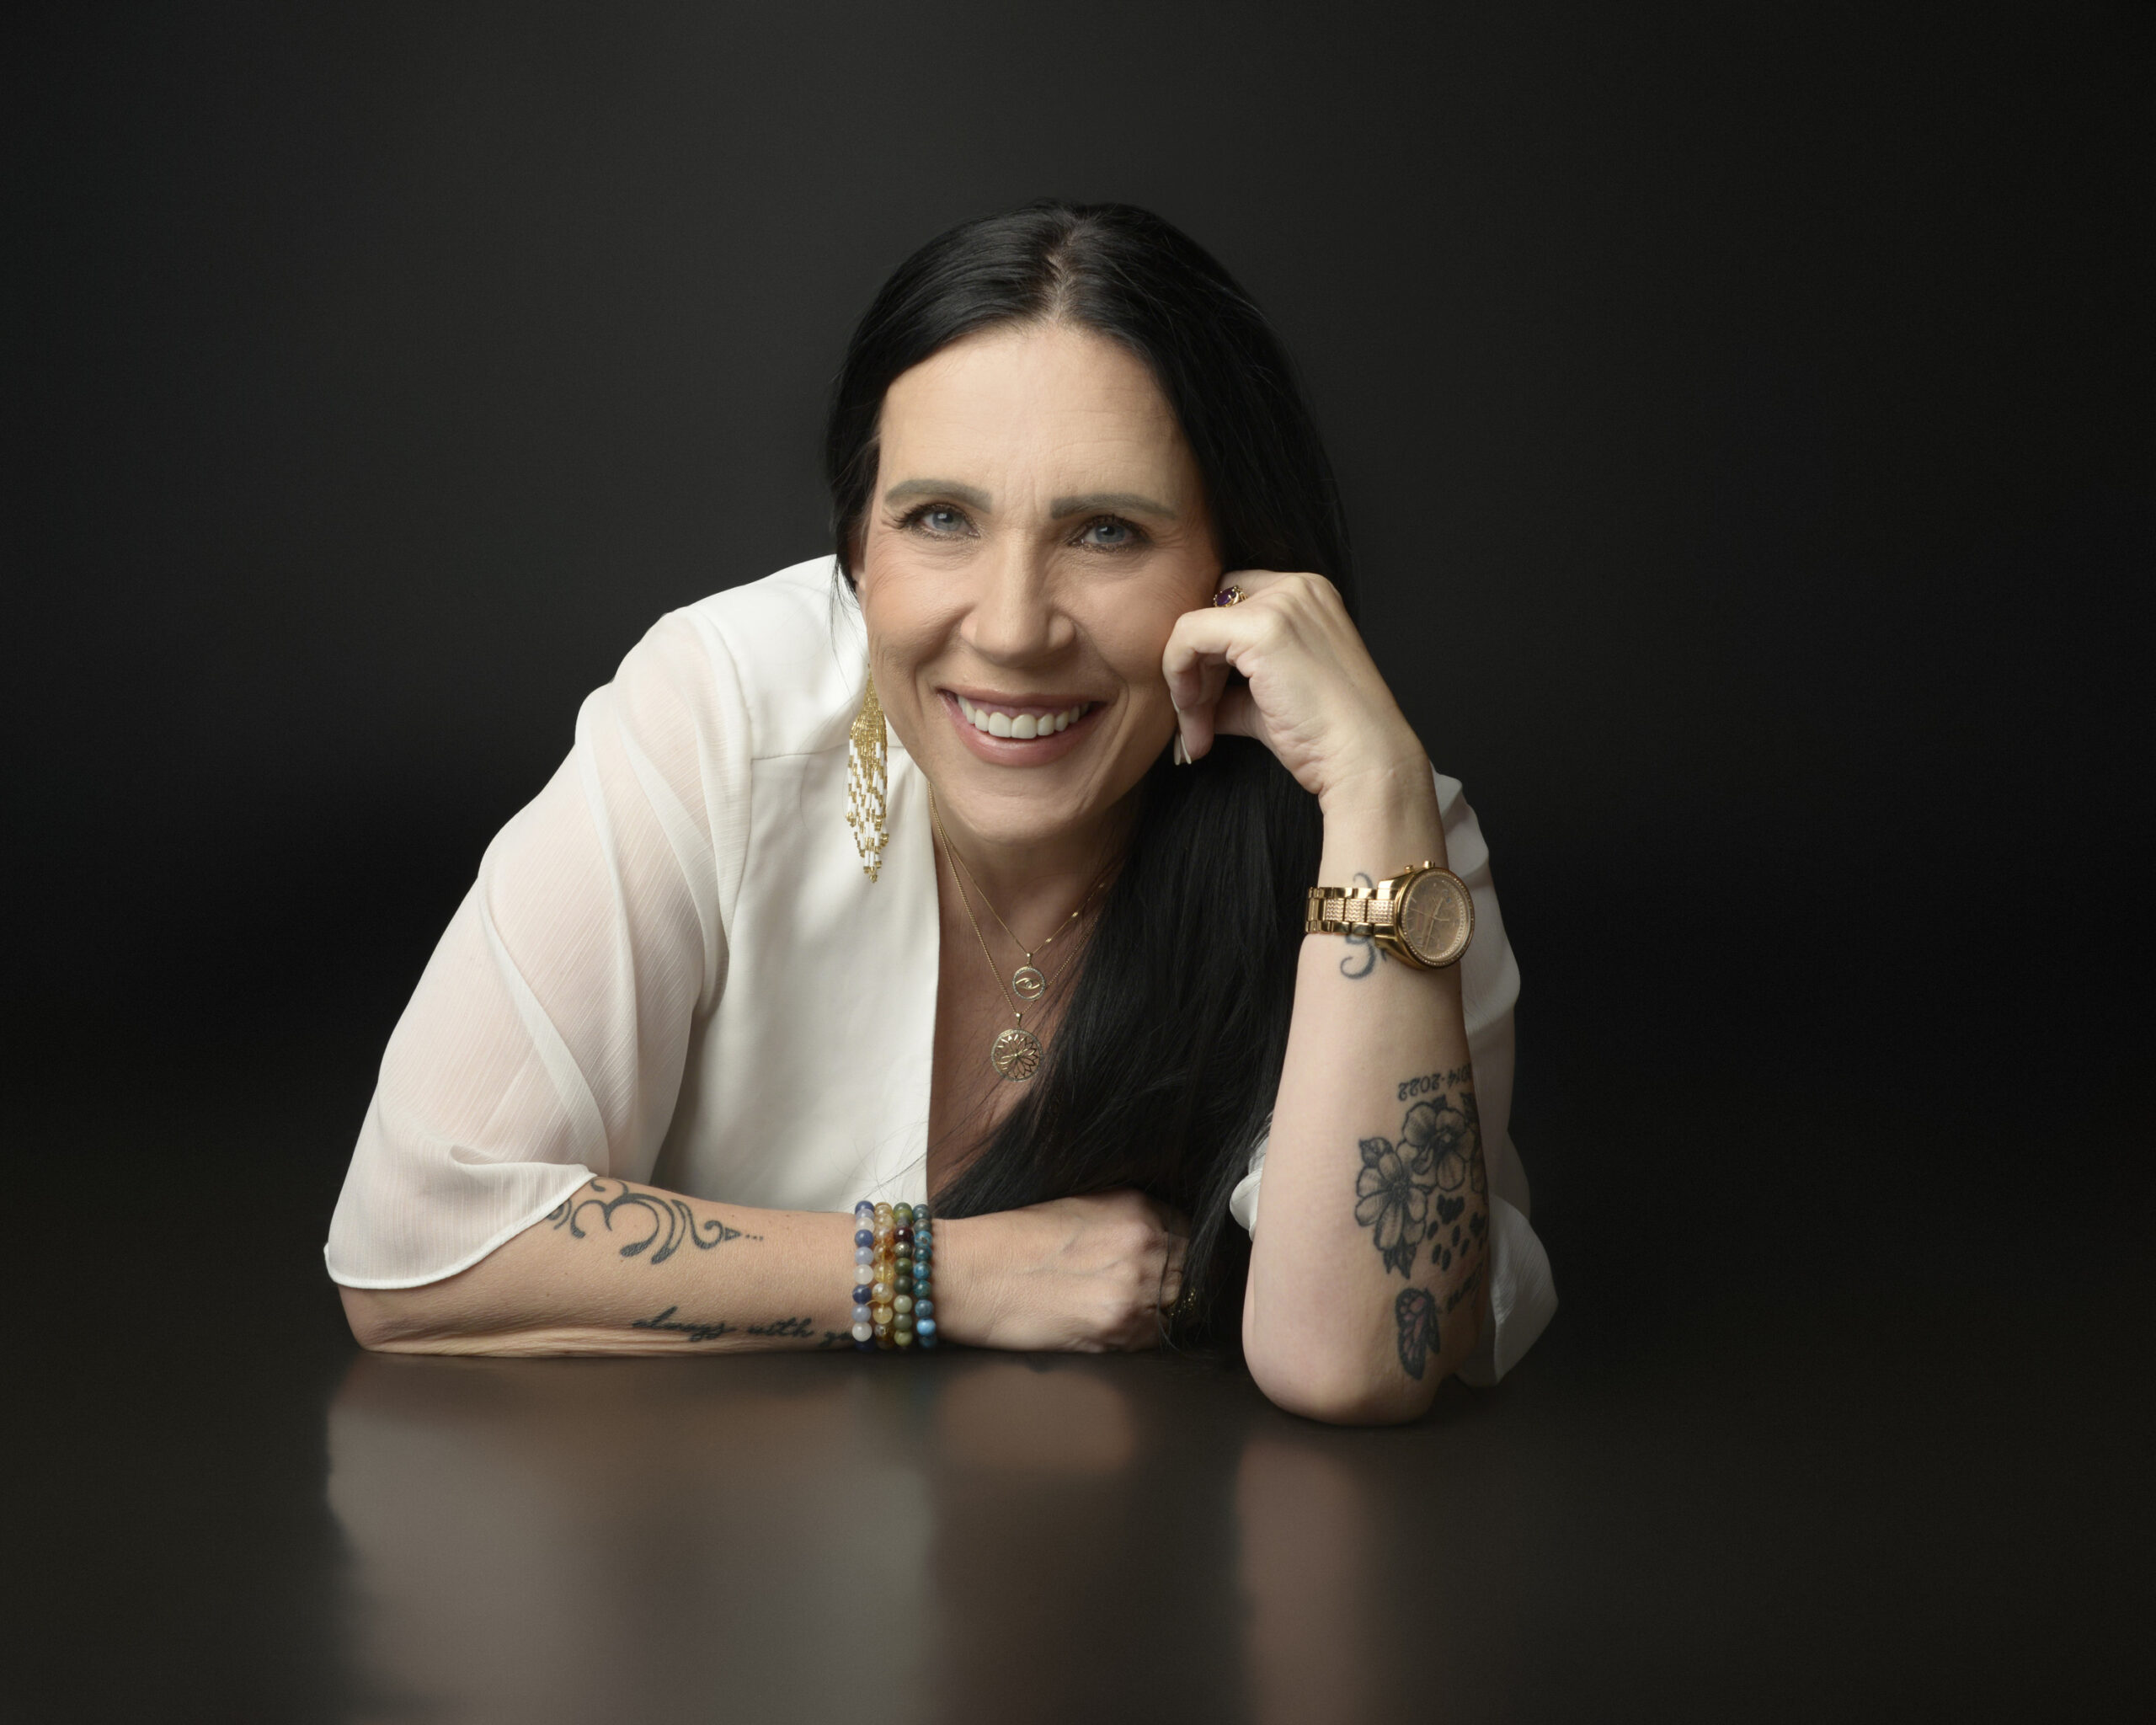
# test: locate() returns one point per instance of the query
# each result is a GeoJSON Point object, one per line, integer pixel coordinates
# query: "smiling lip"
{"type": "Point", "coordinates": [991, 726]}
{"type": "Point", "coordinates": [1022, 719]}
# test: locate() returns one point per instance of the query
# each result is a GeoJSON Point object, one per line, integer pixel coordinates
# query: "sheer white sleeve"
{"type": "Point", "coordinates": [1522, 1295]}
{"type": "Point", "coordinates": [545, 1039]}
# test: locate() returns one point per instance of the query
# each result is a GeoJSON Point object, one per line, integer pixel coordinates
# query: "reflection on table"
{"type": "Point", "coordinates": [973, 1536]}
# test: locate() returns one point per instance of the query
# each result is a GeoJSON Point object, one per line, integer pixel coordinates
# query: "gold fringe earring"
{"type": "Point", "coordinates": [866, 758]}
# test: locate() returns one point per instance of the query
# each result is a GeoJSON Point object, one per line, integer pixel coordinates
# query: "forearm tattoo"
{"type": "Point", "coordinates": [1417, 1187]}
{"type": "Point", "coordinates": [1415, 1313]}
{"type": "Point", "coordinates": [794, 1328]}
{"type": "Point", "coordinates": [670, 1220]}
{"type": "Point", "coordinates": [1428, 1185]}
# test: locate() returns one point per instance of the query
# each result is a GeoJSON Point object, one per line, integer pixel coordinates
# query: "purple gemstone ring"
{"type": "Point", "coordinates": [1229, 595]}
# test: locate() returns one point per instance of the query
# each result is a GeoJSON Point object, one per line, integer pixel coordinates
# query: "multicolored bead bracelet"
{"type": "Point", "coordinates": [893, 1270]}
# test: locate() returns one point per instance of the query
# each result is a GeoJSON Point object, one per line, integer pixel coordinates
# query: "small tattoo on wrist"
{"type": "Point", "coordinates": [1363, 952]}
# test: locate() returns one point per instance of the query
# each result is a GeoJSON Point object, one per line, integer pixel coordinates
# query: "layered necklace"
{"type": "Point", "coordinates": [1016, 1053]}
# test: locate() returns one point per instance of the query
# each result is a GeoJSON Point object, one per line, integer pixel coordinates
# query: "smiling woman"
{"type": "Point", "coordinates": [1054, 859]}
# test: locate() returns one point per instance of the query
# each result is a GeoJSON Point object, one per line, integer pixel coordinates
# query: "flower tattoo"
{"type": "Point", "coordinates": [1409, 1190]}
{"type": "Point", "coordinates": [1392, 1197]}
{"type": "Point", "coordinates": [1454, 1132]}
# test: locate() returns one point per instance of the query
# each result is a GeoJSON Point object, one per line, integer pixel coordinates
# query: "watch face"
{"type": "Point", "coordinates": [1436, 917]}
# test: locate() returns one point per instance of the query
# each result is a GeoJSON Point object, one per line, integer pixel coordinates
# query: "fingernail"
{"type": "Point", "coordinates": [1181, 755]}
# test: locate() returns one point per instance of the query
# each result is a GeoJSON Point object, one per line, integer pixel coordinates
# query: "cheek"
{"type": "Point", "coordinates": [1132, 640]}
{"type": "Point", "coordinates": [909, 612]}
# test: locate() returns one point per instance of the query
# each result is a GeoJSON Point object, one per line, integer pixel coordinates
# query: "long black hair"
{"type": "Point", "coordinates": [1161, 1075]}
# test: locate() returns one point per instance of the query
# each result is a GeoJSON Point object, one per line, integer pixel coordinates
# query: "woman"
{"type": "Point", "coordinates": [975, 864]}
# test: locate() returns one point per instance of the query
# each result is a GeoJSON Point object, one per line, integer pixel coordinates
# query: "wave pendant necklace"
{"type": "Point", "coordinates": [1016, 1053]}
{"type": "Point", "coordinates": [1026, 982]}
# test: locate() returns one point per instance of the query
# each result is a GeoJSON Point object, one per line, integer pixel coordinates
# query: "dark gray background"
{"type": "Point", "coordinates": [1744, 420]}
{"type": "Point", "coordinates": [1744, 416]}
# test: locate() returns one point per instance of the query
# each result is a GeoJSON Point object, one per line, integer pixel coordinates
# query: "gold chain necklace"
{"type": "Point", "coordinates": [1026, 982]}
{"type": "Point", "coordinates": [1016, 1053]}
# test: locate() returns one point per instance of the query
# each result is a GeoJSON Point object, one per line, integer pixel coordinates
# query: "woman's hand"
{"type": "Point", "coordinates": [1084, 1275]}
{"type": "Point", "coordinates": [1313, 695]}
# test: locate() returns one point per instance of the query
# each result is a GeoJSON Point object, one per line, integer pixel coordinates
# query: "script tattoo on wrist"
{"type": "Point", "coordinates": [670, 1222]}
{"type": "Point", "coordinates": [799, 1328]}
{"type": "Point", "coordinates": [696, 1332]}
{"type": "Point", "coordinates": [1416, 1187]}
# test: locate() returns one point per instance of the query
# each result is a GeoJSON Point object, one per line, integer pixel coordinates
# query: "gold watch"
{"type": "Point", "coordinates": [1423, 915]}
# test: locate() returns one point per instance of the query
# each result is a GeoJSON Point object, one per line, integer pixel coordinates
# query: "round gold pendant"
{"type": "Point", "coordinates": [1027, 983]}
{"type": "Point", "coordinates": [1016, 1054]}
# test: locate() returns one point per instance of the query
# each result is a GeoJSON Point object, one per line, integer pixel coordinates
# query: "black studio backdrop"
{"type": "Point", "coordinates": [1744, 414]}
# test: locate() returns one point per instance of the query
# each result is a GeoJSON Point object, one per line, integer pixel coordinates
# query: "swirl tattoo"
{"type": "Point", "coordinates": [672, 1222]}
{"type": "Point", "coordinates": [1363, 953]}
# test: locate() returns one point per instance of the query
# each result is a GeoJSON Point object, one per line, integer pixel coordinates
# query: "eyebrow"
{"type": "Point", "coordinates": [973, 498]}
{"type": "Point", "coordinates": [1127, 500]}
{"type": "Point", "coordinates": [967, 494]}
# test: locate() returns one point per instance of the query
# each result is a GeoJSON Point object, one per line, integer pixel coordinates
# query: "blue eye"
{"type": "Point", "coordinates": [1109, 534]}
{"type": "Point", "coordinates": [942, 518]}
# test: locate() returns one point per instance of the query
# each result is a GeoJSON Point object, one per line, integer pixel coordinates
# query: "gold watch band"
{"type": "Point", "coordinates": [1342, 909]}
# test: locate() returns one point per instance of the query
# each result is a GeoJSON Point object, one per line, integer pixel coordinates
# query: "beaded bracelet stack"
{"type": "Point", "coordinates": [894, 1262]}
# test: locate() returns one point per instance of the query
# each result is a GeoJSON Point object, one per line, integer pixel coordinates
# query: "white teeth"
{"type": "Point", "coordinates": [1022, 725]}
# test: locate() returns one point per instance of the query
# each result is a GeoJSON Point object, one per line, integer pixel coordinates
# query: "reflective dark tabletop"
{"type": "Point", "coordinates": [1878, 1481]}
{"type": "Point", "coordinates": [968, 1537]}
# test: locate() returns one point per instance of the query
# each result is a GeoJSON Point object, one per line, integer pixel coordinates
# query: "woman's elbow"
{"type": "Point", "coordinates": [365, 1311]}
{"type": "Point", "coordinates": [1343, 1392]}
{"type": "Point", "coordinates": [394, 1320]}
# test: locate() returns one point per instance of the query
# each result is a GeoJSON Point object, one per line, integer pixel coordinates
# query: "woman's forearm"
{"type": "Point", "coordinates": [1367, 1279]}
{"type": "Point", "coordinates": [623, 1269]}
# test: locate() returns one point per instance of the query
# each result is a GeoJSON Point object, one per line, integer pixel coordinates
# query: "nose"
{"type": "Point", "coordinates": [1016, 620]}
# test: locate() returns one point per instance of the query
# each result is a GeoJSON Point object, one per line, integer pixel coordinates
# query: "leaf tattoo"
{"type": "Point", "coordinates": [1416, 1312]}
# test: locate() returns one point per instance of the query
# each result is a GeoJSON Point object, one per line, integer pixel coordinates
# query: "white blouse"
{"type": "Point", "coordinates": [672, 969]}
